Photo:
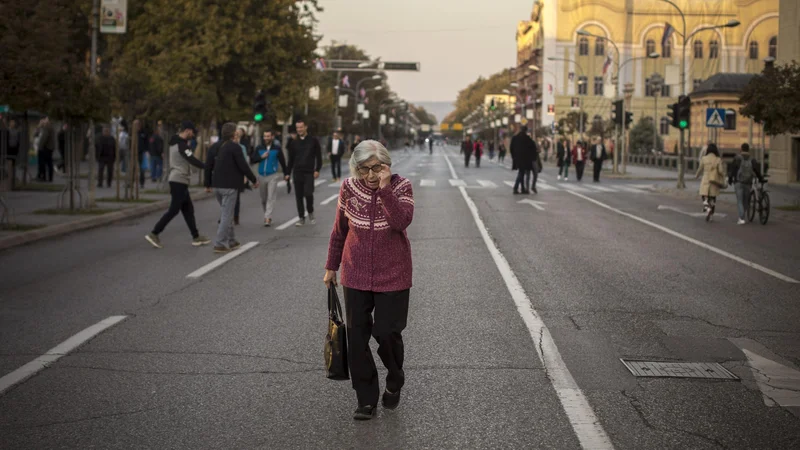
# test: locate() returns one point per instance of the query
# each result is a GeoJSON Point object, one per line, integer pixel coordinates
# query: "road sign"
{"type": "Point", "coordinates": [715, 117]}
{"type": "Point", "coordinates": [425, 128]}
{"type": "Point", "coordinates": [369, 66]}
{"type": "Point", "coordinates": [458, 127]}
{"type": "Point", "coordinates": [113, 16]}
{"type": "Point", "coordinates": [444, 127]}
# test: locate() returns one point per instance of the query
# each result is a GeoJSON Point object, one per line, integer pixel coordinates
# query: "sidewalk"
{"type": "Point", "coordinates": [33, 226]}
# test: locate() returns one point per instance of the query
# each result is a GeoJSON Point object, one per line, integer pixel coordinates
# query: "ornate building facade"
{"type": "Point", "coordinates": [637, 28]}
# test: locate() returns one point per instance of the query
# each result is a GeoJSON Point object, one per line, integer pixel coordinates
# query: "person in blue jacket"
{"type": "Point", "coordinates": [268, 156]}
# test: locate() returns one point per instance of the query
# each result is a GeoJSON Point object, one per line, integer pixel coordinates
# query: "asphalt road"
{"type": "Point", "coordinates": [233, 359]}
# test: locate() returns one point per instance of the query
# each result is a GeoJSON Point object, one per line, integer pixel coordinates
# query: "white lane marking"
{"type": "Point", "coordinates": [631, 189]}
{"type": "Point", "coordinates": [778, 383]}
{"type": "Point", "coordinates": [457, 182]}
{"type": "Point", "coordinates": [509, 183]}
{"type": "Point", "coordinates": [692, 240]}
{"type": "Point", "coordinates": [453, 173]}
{"type": "Point", "coordinates": [320, 182]}
{"type": "Point", "coordinates": [329, 199]}
{"type": "Point", "coordinates": [288, 224]}
{"type": "Point", "coordinates": [336, 184]}
{"type": "Point", "coordinates": [536, 204]}
{"type": "Point", "coordinates": [601, 188]}
{"type": "Point", "coordinates": [220, 261]}
{"type": "Point", "coordinates": [487, 183]}
{"type": "Point", "coordinates": [547, 187]}
{"type": "Point", "coordinates": [412, 174]}
{"type": "Point", "coordinates": [581, 416]}
{"type": "Point", "coordinates": [573, 188]}
{"type": "Point", "coordinates": [695, 214]}
{"type": "Point", "coordinates": [430, 183]}
{"type": "Point", "coordinates": [52, 355]}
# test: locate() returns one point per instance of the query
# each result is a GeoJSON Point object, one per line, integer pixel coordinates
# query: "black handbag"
{"type": "Point", "coordinates": [336, 341]}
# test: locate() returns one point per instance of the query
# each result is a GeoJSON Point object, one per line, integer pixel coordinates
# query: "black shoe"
{"type": "Point", "coordinates": [526, 192]}
{"type": "Point", "coordinates": [534, 190]}
{"type": "Point", "coordinates": [391, 400]}
{"type": "Point", "coordinates": [364, 413]}
{"type": "Point", "coordinates": [516, 192]}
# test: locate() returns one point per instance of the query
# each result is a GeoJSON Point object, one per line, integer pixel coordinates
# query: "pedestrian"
{"type": "Point", "coordinates": [501, 152]}
{"type": "Point", "coordinates": [142, 147]}
{"type": "Point", "coordinates": [478, 152]}
{"type": "Point", "coordinates": [491, 150]}
{"type": "Point", "coordinates": [598, 156]}
{"type": "Point", "coordinates": [124, 145]}
{"type": "Point", "coordinates": [579, 158]}
{"type": "Point", "coordinates": [467, 149]}
{"type": "Point", "coordinates": [181, 159]}
{"type": "Point", "coordinates": [12, 149]}
{"type": "Point", "coordinates": [268, 156]}
{"type": "Point", "coordinates": [523, 154]}
{"type": "Point", "coordinates": [106, 154]}
{"type": "Point", "coordinates": [713, 179]}
{"type": "Point", "coordinates": [62, 147]}
{"type": "Point", "coordinates": [370, 244]}
{"type": "Point", "coordinates": [229, 171]}
{"type": "Point", "coordinates": [536, 169]}
{"type": "Point", "coordinates": [430, 145]}
{"type": "Point", "coordinates": [239, 135]}
{"type": "Point", "coordinates": [156, 149]}
{"type": "Point", "coordinates": [336, 149]}
{"type": "Point", "coordinates": [741, 173]}
{"type": "Point", "coordinates": [546, 147]}
{"type": "Point", "coordinates": [564, 157]}
{"type": "Point", "coordinates": [45, 149]}
{"type": "Point", "coordinates": [305, 162]}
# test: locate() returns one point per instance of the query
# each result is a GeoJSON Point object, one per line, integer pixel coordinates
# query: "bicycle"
{"type": "Point", "coordinates": [759, 201]}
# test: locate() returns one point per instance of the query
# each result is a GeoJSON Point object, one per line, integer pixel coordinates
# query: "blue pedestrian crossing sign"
{"type": "Point", "coordinates": [715, 117]}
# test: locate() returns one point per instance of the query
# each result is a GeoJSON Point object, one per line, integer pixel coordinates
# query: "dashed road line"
{"type": "Point", "coordinates": [220, 261]}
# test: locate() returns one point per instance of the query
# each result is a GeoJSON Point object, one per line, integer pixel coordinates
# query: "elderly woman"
{"type": "Point", "coordinates": [369, 242]}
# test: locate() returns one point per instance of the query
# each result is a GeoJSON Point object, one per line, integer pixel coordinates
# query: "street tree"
{"type": "Point", "coordinates": [642, 135]}
{"type": "Point", "coordinates": [773, 98]}
{"type": "Point", "coordinates": [473, 95]}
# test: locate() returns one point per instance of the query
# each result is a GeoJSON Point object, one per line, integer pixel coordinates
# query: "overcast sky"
{"type": "Point", "coordinates": [455, 41]}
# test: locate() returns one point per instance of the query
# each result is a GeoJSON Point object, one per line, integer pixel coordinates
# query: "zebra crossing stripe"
{"type": "Point", "coordinates": [431, 183]}
{"type": "Point", "coordinates": [319, 182]}
{"type": "Point", "coordinates": [573, 188]}
{"type": "Point", "coordinates": [602, 188]}
{"type": "Point", "coordinates": [487, 183]}
{"type": "Point", "coordinates": [509, 183]}
{"type": "Point", "coordinates": [631, 189]}
{"type": "Point", "coordinates": [456, 183]}
{"type": "Point", "coordinates": [546, 187]}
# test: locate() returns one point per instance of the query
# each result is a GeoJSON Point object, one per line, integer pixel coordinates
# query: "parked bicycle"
{"type": "Point", "coordinates": [759, 202]}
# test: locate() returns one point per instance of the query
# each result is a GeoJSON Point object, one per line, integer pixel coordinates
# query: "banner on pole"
{"type": "Point", "coordinates": [113, 16]}
{"type": "Point", "coordinates": [343, 101]}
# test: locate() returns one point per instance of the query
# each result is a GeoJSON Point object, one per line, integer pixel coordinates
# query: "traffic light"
{"type": "Point", "coordinates": [628, 119]}
{"type": "Point", "coordinates": [616, 112]}
{"type": "Point", "coordinates": [259, 106]}
{"type": "Point", "coordinates": [492, 106]}
{"type": "Point", "coordinates": [673, 115]}
{"type": "Point", "coordinates": [684, 112]}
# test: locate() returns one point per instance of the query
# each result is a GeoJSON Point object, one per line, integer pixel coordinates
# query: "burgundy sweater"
{"type": "Point", "coordinates": [369, 236]}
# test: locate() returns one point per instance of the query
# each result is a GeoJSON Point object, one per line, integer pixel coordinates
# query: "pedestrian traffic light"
{"type": "Point", "coordinates": [673, 115]}
{"type": "Point", "coordinates": [492, 106]}
{"type": "Point", "coordinates": [684, 111]}
{"type": "Point", "coordinates": [259, 106]}
{"type": "Point", "coordinates": [616, 112]}
{"type": "Point", "coordinates": [628, 119]}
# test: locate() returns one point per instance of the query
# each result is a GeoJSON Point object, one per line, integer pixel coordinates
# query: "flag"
{"type": "Point", "coordinates": [346, 81]}
{"type": "Point", "coordinates": [550, 88]}
{"type": "Point", "coordinates": [366, 101]}
{"type": "Point", "coordinates": [606, 64]}
{"type": "Point", "coordinates": [363, 93]}
{"type": "Point", "coordinates": [320, 63]}
{"type": "Point", "coordinates": [668, 30]}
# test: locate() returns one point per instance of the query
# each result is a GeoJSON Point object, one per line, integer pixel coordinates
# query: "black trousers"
{"type": "Point", "coordinates": [304, 189]}
{"type": "Point", "coordinates": [336, 166]}
{"type": "Point", "coordinates": [181, 202]}
{"type": "Point", "coordinates": [598, 167]}
{"type": "Point", "coordinates": [108, 167]}
{"type": "Point", "coordinates": [467, 156]}
{"type": "Point", "coordinates": [579, 166]}
{"type": "Point", "coordinates": [391, 315]}
{"type": "Point", "coordinates": [45, 165]}
{"type": "Point", "coordinates": [477, 160]}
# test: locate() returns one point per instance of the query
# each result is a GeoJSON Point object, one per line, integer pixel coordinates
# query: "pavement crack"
{"type": "Point", "coordinates": [168, 352]}
{"type": "Point", "coordinates": [541, 353]}
{"type": "Point", "coordinates": [83, 419]}
{"type": "Point", "coordinates": [577, 327]}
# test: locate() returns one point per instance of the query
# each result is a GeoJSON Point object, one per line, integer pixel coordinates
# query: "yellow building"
{"type": "Point", "coordinates": [784, 153]}
{"type": "Point", "coordinates": [637, 28]}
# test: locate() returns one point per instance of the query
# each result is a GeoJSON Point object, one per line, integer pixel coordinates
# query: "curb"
{"type": "Point", "coordinates": [62, 229]}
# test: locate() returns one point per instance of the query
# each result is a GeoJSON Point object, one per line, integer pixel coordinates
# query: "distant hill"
{"type": "Point", "coordinates": [438, 109]}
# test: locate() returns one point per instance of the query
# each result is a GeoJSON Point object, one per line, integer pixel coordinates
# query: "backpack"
{"type": "Point", "coordinates": [746, 172]}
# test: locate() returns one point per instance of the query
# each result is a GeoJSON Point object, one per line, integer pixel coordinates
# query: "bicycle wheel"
{"type": "Point", "coordinates": [763, 211]}
{"type": "Point", "coordinates": [751, 210]}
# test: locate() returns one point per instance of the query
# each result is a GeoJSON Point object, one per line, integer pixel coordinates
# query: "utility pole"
{"type": "Point", "coordinates": [93, 65]}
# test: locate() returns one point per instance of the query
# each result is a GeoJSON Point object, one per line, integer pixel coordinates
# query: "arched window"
{"type": "Point", "coordinates": [773, 47]}
{"type": "Point", "coordinates": [664, 126]}
{"type": "Point", "coordinates": [651, 46]}
{"type": "Point", "coordinates": [753, 50]}
{"type": "Point", "coordinates": [583, 46]}
{"type": "Point", "coordinates": [698, 49]}
{"type": "Point", "coordinates": [713, 50]}
{"type": "Point", "coordinates": [599, 47]}
{"type": "Point", "coordinates": [666, 50]}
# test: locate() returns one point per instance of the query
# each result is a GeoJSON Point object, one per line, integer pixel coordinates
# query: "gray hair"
{"type": "Point", "coordinates": [366, 150]}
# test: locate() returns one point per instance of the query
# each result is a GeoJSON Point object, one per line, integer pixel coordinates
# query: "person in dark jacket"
{"type": "Point", "coordinates": [598, 154]}
{"type": "Point", "coordinates": [106, 154]}
{"type": "Point", "coordinates": [523, 153]}
{"type": "Point", "coordinates": [564, 158]}
{"type": "Point", "coordinates": [156, 149]}
{"type": "Point", "coordinates": [336, 148]}
{"type": "Point", "coordinates": [229, 169]}
{"type": "Point", "coordinates": [305, 162]}
{"type": "Point", "coordinates": [467, 149]}
{"type": "Point", "coordinates": [47, 144]}
{"type": "Point", "coordinates": [62, 147]}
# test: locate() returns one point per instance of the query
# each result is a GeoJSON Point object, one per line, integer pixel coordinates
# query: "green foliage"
{"type": "Point", "coordinates": [642, 134]}
{"type": "Point", "coordinates": [570, 124]}
{"type": "Point", "coordinates": [424, 117]}
{"type": "Point", "coordinates": [773, 98]}
{"type": "Point", "coordinates": [473, 95]}
{"type": "Point", "coordinates": [602, 128]}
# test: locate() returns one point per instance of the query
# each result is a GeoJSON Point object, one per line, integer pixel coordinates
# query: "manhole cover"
{"type": "Point", "coordinates": [678, 369]}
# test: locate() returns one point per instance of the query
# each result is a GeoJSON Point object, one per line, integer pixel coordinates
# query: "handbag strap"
{"type": "Point", "coordinates": [334, 306]}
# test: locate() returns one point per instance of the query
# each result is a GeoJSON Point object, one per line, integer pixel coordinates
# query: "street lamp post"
{"type": "Point", "coordinates": [580, 97]}
{"type": "Point", "coordinates": [731, 23]}
{"type": "Point", "coordinates": [622, 154]}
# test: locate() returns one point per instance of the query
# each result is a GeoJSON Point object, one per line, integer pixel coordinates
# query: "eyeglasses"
{"type": "Point", "coordinates": [365, 170]}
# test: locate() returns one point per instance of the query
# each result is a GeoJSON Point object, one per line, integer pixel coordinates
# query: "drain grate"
{"type": "Point", "coordinates": [661, 369]}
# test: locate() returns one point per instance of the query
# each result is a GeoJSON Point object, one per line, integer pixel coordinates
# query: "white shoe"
{"type": "Point", "coordinates": [559, 178]}
{"type": "Point", "coordinates": [565, 178]}
{"type": "Point", "coordinates": [741, 222]}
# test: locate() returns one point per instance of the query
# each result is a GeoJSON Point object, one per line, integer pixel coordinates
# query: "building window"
{"type": "Point", "coordinates": [730, 119]}
{"type": "Point", "coordinates": [599, 47]}
{"type": "Point", "coordinates": [651, 46]}
{"type": "Point", "coordinates": [773, 47]}
{"type": "Point", "coordinates": [698, 49]}
{"type": "Point", "coordinates": [583, 85]}
{"type": "Point", "coordinates": [598, 85]}
{"type": "Point", "coordinates": [663, 128]}
{"type": "Point", "coordinates": [583, 46]}
{"type": "Point", "coordinates": [753, 50]}
{"type": "Point", "coordinates": [666, 50]}
{"type": "Point", "coordinates": [713, 50]}
{"type": "Point", "coordinates": [665, 90]}
{"type": "Point", "coordinates": [696, 82]}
